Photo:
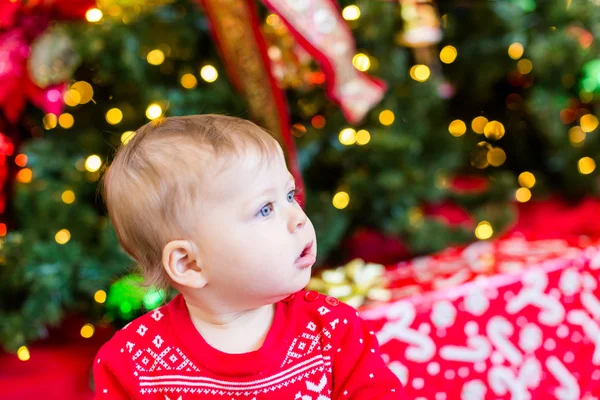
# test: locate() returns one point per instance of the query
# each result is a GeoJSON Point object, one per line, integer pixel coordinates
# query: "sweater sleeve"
{"type": "Point", "coordinates": [359, 372]}
{"type": "Point", "coordinates": [106, 383]}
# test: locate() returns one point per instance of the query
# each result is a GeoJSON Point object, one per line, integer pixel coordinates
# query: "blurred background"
{"type": "Point", "coordinates": [415, 125]}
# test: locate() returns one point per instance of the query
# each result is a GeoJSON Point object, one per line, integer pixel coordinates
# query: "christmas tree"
{"type": "Point", "coordinates": [485, 103]}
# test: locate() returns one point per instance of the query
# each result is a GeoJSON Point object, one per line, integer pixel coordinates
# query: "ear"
{"type": "Point", "coordinates": [181, 261]}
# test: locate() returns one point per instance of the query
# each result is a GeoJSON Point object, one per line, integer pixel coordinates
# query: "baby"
{"type": "Point", "coordinates": [206, 205]}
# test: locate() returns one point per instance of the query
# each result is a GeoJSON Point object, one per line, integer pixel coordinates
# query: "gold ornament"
{"type": "Point", "coordinates": [356, 283]}
{"type": "Point", "coordinates": [128, 10]}
{"type": "Point", "coordinates": [53, 58]}
{"type": "Point", "coordinates": [422, 29]}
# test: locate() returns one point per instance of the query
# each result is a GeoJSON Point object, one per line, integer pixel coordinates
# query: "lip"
{"type": "Point", "coordinates": [307, 259]}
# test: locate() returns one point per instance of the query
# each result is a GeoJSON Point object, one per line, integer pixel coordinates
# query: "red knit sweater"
{"type": "Point", "coordinates": [316, 349]}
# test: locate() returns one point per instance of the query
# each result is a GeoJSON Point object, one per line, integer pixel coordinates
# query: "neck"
{"type": "Point", "coordinates": [232, 331]}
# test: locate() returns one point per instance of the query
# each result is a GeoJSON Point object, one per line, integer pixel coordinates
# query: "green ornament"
{"type": "Point", "coordinates": [126, 297]}
{"type": "Point", "coordinates": [591, 77]}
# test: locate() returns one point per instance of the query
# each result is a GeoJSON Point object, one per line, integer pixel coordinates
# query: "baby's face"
{"type": "Point", "coordinates": [256, 244]}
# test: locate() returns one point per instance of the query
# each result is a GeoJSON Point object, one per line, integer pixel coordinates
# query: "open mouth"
{"type": "Point", "coordinates": [306, 250]}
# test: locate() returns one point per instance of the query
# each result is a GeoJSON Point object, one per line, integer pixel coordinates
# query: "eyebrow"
{"type": "Point", "coordinates": [268, 190]}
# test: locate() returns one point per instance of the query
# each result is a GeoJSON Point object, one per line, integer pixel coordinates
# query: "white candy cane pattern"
{"type": "Point", "coordinates": [499, 330]}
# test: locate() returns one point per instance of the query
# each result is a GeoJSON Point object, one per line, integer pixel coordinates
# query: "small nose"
{"type": "Point", "coordinates": [297, 219]}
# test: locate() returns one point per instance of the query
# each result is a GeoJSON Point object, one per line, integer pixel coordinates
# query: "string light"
{"type": "Point", "coordinates": [189, 81]}
{"type": "Point", "coordinates": [576, 135]}
{"type": "Point", "coordinates": [351, 13]}
{"type": "Point", "coordinates": [25, 175]}
{"type": "Point", "coordinates": [457, 128]}
{"type": "Point", "coordinates": [588, 122]}
{"type": "Point", "coordinates": [494, 130]}
{"type": "Point", "coordinates": [361, 62]}
{"type": "Point", "coordinates": [496, 157]}
{"type": "Point", "coordinates": [68, 197]}
{"type": "Point", "coordinates": [448, 54]}
{"type": "Point", "coordinates": [63, 236]}
{"type": "Point", "coordinates": [127, 136]}
{"type": "Point", "coordinates": [363, 137]}
{"type": "Point", "coordinates": [478, 124]}
{"type": "Point", "coordinates": [527, 179]}
{"type": "Point", "coordinates": [23, 353]}
{"type": "Point", "coordinates": [50, 120]}
{"type": "Point", "coordinates": [66, 120]}
{"type": "Point", "coordinates": [114, 116]}
{"type": "Point", "coordinates": [386, 117]}
{"type": "Point", "coordinates": [93, 15]}
{"type": "Point", "coordinates": [586, 165]}
{"type": "Point", "coordinates": [100, 296]}
{"type": "Point", "coordinates": [87, 331]}
{"type": "Point", "coordinates": [155, 57]}
{"type": "Point", "coordinates": [85, 90]}
{"type": "Point", "coordinates": [3, 229]}
{"type": "Point", "coordinates": [272, 19]}
{"type": "Point", "coordinates": [484, 230]}
{"type": "Point", "coordinates": [515, 51]}
{"type": "Point", "coordinates": [21, 160]}
{"type": "Point", "coordinates": [318, 122]}
{"type": "Point", "coordinates": [341, 200]}
{"type": "Point", "coordinates": [347, 136]}
{"type": "Point", "coordinates": [93, 163]}
{"type": "Point", "coordinates": [524, 66]}
{"type": "Point", "coordinates": [420, 72]}
{"type": "Point", "coordinates": [209, 73]}
{"type": "Point", "coordinates": [72, 98]}
{"type": "Point", "coordinates": [523, 195]}
{"type": "Point", "coordinates": [153, 111]}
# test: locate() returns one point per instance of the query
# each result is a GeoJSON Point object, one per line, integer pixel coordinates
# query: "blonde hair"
{"type": "Point", "coordinates": [154, 181]}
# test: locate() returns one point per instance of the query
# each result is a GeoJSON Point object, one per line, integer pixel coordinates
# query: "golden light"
{"type": "Point", "coordinates": [420, 72]}
{"type": "Point", "coordinates": [93, 163]}
{"type": "Point", "coordinates": [25, 175]}
{"type": "Point", "coordinates": [114, 116]}
{"type": "Point", "coordinates": [351, 13]}
{"type": "Point", "coordinates": [87, 331]}
{"type": "Point", "coordinates": [386, 117]}
{"type": "Point", "coordinates": [588, 122]}
{"type": "Point", "coordinates": [527, 179]}
{"type": "Point", "coordinates": [363, 137]}
{"type": "Point", "coordinates": [100, 296]}
{"type": "Point", "coordinates": [347, 136]}
{"type": "Point", "coordinates": [62, 236]}
{"type": "Point", "coordinates": [209, 73]}
{"type": "Point", "coordinates": [457, 128]}
{"type": "Point", "coordinates": [154, 111]}
{"type": "Point", "coordinates": [93, 15]}
{"type": "Point", "coordinates": [50, 120]}
{"type": "Point", "coordinates": [189, 81]}
{"type": "Point", "coordinates": [72, 98]}
{"type": "Point", "coordinates": [484, 230]}
{"type": "Point", "coordinates": [23, 353]}
{"type": "Point", "coordinates": [127, 136]}
{"type": "Point", "coordinates": [273, 19]}
{"type": "Point", "coordinates": [524, 66]}
{"type": "Point", "coordinates": [341, 200]}
{"type": "Point", "coordinates": [494, 130]}
{"type": "Point", "coordinates": [68, 197]}
{"type": "Point", "coordinates": [496, 157]}
{"type": "Point", "coordinates": [85, 90]}
{"type": "Point", "coordinates": [523, 195]}
{"type": "Point", "coordinates": [66, 120]}
{"type": "Point", "coordinates": [586, 165]}
{"type": "Point", "coordinates": [361, 62]}
{"type": "Point", "coordinates": [155, 57]}
{"type": "Point", "coordinates": [576, 135]}
{"type": "Point", "coordinates": [21, 160]}
{"type": "Point", "coordinates": [515, 51]}
{"type": "Point", "coordinates": [448, 54]}
{"type": "Point", "coordinates": [478, 124]}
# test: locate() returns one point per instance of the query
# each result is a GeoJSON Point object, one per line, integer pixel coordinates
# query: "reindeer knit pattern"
{"type": "Point", "coordinates": [317, 349]}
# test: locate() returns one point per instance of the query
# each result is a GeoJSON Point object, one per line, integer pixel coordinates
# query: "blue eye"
{"type": "Point", "coordinates": [266, 210]}
{"type": "Point", "coordinates": [291, 196]}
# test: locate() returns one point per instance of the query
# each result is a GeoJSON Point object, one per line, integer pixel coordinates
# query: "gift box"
{"type": "Point", "coordinates": [510, 319]}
